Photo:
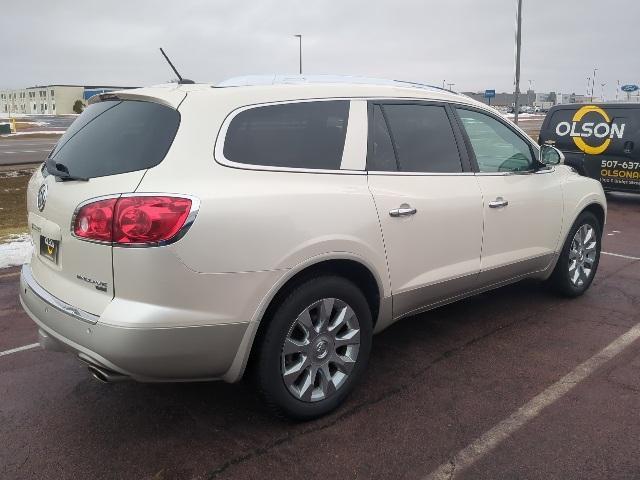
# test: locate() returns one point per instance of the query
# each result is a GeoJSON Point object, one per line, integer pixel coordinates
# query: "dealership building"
{"type": "Point", "coordinates": [48, 99]}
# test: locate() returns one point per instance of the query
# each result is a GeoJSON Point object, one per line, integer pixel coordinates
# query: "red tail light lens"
{"type": "Point", "coordinates": [94, 221]}
{"type": "Point", "coordinates": [149, 219]}
{"type": "Point", "coordinates": [132, 220]}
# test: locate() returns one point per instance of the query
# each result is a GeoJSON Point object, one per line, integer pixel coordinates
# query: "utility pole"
{"type": "Point", "coordinates": [517, 79]}
{"type": "Point", "coordinates": [593, 83]}
{"type": "Point", "coordinates": [299, 52]}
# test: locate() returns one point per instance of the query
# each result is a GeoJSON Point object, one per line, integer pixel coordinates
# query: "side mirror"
{"type": "Point", "coordinates": [551, 155]}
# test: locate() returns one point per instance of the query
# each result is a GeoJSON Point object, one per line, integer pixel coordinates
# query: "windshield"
{"type": "Point", "coordinates": [115, 137]}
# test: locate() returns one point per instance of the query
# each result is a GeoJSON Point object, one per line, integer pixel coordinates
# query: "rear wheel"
{"type": "Point", "coordinates": [315, 348]}
{"type": "Point", "coordinates": [579, 258]}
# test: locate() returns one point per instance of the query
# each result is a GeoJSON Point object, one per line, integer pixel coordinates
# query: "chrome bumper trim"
{"type": "Point", "coordinates": [54, 301]}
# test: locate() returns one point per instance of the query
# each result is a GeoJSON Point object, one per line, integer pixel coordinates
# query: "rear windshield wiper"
{"type": "Point", "coordinates": [61, 171]}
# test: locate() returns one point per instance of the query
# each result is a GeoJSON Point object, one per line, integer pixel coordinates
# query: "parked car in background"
{"type": "Point", "coordinates": [599, 141]}
{"type": "Point", "coordinates": [270, 226]}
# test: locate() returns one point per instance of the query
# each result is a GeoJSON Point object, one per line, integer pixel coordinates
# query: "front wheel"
{"type": "Point", "coordinates": [579, 258]}
{"type": "Point", "coordinates": [315, 348]}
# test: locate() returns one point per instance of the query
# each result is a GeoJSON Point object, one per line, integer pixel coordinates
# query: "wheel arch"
{"type": "Point", "coordinates": [347, 265]}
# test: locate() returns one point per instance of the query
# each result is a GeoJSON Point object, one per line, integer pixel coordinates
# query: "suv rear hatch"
{"type": "Point", "coordinates": [105, 152]}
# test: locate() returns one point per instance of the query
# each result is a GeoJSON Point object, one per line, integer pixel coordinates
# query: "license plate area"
{"type": "Point", "coordinates": [49, 248]}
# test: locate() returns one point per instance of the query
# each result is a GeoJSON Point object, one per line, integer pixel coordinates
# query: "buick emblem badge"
{"type": "Point", "coordinates": [42, 196]}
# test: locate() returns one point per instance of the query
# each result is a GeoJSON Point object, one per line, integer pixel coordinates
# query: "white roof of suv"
{"type": "Point", "coordinates": [304, 86]}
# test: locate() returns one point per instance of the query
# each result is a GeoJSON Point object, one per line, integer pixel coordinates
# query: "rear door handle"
{"type": "Point", "coordinates": [498, 203]}
{"type": "Point", "coordinates": [403, 211]}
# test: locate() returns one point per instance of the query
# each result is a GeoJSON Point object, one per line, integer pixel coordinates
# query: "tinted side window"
{"type": "Point", "coordinates": [382, 156]}
{"type": "Point", "coordinates": [497, 147]}
{"type": "Point", "coordinates": [294, 135]}
{"type": "Point", "coordinates": [423, 138]}
{"type": "Point", "coordinates": [117, 137]}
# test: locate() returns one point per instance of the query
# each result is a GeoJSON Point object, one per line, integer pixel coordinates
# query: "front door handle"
{"type": "Point", "coordinates": [498, 203]}
{"type": "Point", "coordinates": [403, 211]}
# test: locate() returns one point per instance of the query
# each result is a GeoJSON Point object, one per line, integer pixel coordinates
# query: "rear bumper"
{"type": "Point", "coordinates": [167, 354]}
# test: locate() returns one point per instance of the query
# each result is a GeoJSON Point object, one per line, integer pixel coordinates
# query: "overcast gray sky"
{"type": "Point", "coordinates": [467, 42]}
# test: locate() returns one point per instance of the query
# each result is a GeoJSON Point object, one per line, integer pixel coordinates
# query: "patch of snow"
{"type": "Point", "coordinates": [39, 124]}
{"type": "Point", "coordinates": [35, 132]}
{"type": "Point", "coordinates": [15, 173]}
{"type": "Point", "coordinates": [16, 251]}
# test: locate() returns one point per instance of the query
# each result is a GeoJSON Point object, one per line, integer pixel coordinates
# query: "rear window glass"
{"type": "Point", "coordinates": [293, 135]}
{"type": "Point", "coordinates": [115, 137]}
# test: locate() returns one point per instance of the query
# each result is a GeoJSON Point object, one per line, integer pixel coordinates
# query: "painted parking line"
{"type": "Point", "coordinates": [19, 349]}
{"type": "Point", "coordinates": [620, 256]}
{"type": "Point", "coordinates": [489, 440]}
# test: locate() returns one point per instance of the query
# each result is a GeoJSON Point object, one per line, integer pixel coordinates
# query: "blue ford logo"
{"type": "Point", "coordinates": [629, 88]}
{"type": "Point", "coordinates": [42, 196]}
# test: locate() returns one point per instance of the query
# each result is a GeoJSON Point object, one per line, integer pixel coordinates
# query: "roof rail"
{"type": "Point", "coordinates": [274, 79]}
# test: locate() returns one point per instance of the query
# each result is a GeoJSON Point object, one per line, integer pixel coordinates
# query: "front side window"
{"type": "Point", "coordinates": [423, 138]}
{"type": "Point", "coordinates": [306, 135]}
{"type": "Point", "coordinates": [497, 147]}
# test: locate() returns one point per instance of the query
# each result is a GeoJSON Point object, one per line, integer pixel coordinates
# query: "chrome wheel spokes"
{"type": "Point", "coordinates": [582, 255]}
{"type": "Point", "coordinates": [320, 350]}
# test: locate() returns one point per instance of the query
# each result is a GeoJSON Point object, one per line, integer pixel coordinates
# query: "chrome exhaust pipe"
{"type": "Point", "coordinates": [106, 376]}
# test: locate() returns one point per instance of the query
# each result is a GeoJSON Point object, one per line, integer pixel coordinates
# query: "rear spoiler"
{"type": "Point", "coordinates": [169, 95]}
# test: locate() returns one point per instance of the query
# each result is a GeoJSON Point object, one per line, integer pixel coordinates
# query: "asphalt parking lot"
{"type": "Point", "coordinates": [509, 384]}
{"type": "Point", "coordinates": [25, 150]}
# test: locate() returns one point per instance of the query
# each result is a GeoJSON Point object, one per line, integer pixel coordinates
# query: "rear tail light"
{"type": "Point", "coordinates": [135, 220]}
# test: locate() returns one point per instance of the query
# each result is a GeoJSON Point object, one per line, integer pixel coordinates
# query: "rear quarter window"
{"type": "Point", "coordinates": [115, 137]}
{"type": "Point", "coordinates": [308, 135]}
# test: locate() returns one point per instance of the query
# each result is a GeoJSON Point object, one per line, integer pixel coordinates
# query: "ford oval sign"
{"type": "Point", "coordinates": [629, 88]}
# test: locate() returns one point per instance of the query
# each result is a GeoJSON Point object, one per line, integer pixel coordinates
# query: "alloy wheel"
{"type": "Point", "coordinates": [582, 255]}
{"type": "Point", "coordinates": [320, 350]}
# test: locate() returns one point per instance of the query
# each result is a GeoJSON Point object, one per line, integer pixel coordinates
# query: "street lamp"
{"type": "Point", "coordinates": [450, 85]}
{"type": "Point", "coordinates": [602, 91]}
{"type": "Point", "coordinates": [516, 93]}
{"type": "Point", "coordinates": [593, 83]}
{"type": "Point", "coordinates": [299, 35]}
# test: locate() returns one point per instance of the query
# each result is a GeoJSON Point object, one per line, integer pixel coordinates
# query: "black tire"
{"type": "Point", "coordinates": [268, 365]}
{"type": "Point", "coordinates": [560, 279]}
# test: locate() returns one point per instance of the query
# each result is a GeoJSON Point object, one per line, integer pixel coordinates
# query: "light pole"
{"type": "Point", "coordinates": [617, 90]}
{"type": "Point", "coordinates": [602, 91]}
{"type": "Point", "coordinates": [443, 87]}
{"type": "Point", "coordinates": [516, 94]}
{"type": "Point", "coordinates": [593, 83]}
{"type": "Point", "coordinates": [299, 35]}
{"type": "Point", "coordinates": [450, 85]}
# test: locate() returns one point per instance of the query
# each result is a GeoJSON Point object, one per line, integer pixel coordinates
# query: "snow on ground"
{"type": "Point", "coordinates": [17, 251]}
{"type": "Point", "coordinates": [35, 115]}
{"type": "Point", "coordinates": [524, 116]}
{"type": "Point", "coordinates": [35, 132]}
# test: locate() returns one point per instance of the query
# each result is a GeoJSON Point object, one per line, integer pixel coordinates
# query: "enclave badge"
{"type": "Point", "coordinates": [42, 196]}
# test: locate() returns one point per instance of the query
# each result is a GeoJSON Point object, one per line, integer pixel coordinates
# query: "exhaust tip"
{"type": "Point", "coordinates": [98, 375]}
{"type": "Point", "coordinates": [106, 376]}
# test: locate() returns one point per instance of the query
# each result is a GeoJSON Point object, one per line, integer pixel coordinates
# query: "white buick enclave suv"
{"type": "Point", "coordinates": [272, 225]}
